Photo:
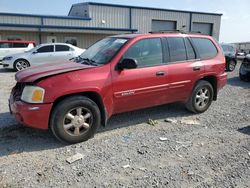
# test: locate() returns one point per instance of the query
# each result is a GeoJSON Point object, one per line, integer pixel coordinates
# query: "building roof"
{"type": "Point", "coordinates": [139, 7]}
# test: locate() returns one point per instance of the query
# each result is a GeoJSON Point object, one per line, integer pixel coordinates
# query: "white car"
{"type": "Point", "coordinates": [44, 53]}
{"type": "Point", "coordinates": [9, 47]}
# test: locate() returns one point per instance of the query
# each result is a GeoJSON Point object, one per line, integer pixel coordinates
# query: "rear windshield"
{"type": "Point", "coordinates": [228, 48]}
{"type": "Point", "coordinates": [205, 47]}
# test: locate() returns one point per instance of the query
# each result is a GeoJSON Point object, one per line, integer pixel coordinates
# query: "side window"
{"type": "Point", "coordinates": [177, 49]}
{"type": "Point", "coordinates": [5, 45]}
{"type": "Point", "coordinates": [147, 52]}
{"type": "Point", "coordinates": [46, 49]}
{"type": "Point", "coordinates": [190, 50]}
{"type": "Point", "coordinates": [62, 48]}
{"type": "Point", "coordinates": [205, 47]}
{"type": "Point", "coordinates": [20, 45]}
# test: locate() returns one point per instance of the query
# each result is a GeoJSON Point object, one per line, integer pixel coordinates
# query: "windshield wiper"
{"type": "Point", "coordinates": [88, 61]}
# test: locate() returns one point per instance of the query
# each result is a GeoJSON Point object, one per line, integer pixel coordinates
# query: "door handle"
{"type": "Point", "coordinates": [197, 68]}
{"type": "Point", "coordinates": [160, 73]}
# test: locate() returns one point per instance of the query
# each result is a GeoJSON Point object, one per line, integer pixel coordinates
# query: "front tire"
{"type": "Point", "coordinates": [243, 73]}
{"type": "Point", "coordinates": [21, 64]}
{"type": "Point", "coordinates": [75, 119]}
{"type": "Point", "coordinates": [201, 98]}
{"type": "Point", "coordinates": [231, 66]}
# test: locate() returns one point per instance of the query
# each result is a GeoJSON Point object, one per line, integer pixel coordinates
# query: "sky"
{"type": "Point", "coordinates": [235, 25]}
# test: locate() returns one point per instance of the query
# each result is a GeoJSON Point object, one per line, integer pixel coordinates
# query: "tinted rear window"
{"type": "Point", "coordinates": [205, 47]}
{"type": "Point", "coordinates": [20, 45]}
{"type": "Point", "coordinates": [62, 48]}
{"type": "Point", "coordinates": [5, 45]}
{"type": "Point", "coordinates": [177, 49]}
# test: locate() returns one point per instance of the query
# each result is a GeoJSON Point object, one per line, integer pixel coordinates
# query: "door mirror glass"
{"type": "Point", "coordinates": [127, 64]}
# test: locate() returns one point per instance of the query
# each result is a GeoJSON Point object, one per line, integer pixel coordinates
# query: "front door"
{"type": "Point", "coordinates": [145, 85]}
{"type": "Point", "coordinates": [44, 54]}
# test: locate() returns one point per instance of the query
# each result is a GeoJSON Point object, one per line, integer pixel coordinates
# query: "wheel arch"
{"type": "Point", "coordinates": [213, 81]}
{"type": "Point", "coordinates": [94, 96]}
{"type": "Point", "coordinates": [19, 59]}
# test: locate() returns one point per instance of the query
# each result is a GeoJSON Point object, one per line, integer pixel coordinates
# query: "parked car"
{"type": "Point", "coordinates": [230, 55]}
{"type": "Point", "coordinates": [241, 53]}
{"type": "Point", "coordinates": [245, 69]}
{"type": "Point", "coordinates": [9, 47]}
{"type": "Point", "coordinates": [44, 53]}
{"type": "Point", "coordinates": [115, 75]}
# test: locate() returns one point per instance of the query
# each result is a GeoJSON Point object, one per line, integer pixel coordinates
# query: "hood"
{"type": "Point", "coordinates": [14, 55]}
{"type": "Point", "coordinates": [34, 73]}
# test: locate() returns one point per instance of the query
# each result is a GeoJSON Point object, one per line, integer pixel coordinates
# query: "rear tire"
{"type": "Point", "coordinates": [201, 98]}
{"type": "Point", "coordinates": [75, 119]}
{"type": "Point", "coordinates": [21, 64]}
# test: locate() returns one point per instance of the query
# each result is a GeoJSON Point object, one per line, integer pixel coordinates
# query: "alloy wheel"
{"type": "Point", "coordinates": [77, 121]}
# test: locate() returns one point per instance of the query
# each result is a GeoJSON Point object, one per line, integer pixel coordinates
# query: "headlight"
{"type": "Point", "coordinates": [33, 94]}
{"type": "Point", "coordinates": [8, 58]}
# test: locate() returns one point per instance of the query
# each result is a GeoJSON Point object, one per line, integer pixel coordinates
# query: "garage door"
{"type": "Point", "coordinates": [163, 25]}
{"type": "Point", "coordinates": [205, 28]}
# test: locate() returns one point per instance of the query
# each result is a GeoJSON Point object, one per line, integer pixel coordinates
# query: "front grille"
{"type": "Point", "coordinates": [17, 91]}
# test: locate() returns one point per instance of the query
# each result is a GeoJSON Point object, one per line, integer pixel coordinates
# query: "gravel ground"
{"type": "Point", "coordinates": [207, 150]}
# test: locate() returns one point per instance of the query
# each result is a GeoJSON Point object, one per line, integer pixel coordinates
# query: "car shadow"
{"type": "Point", "coordinates": [245, 130]}
{"type": "Point", "coordinates": [235, 81]}
{"type": "Point", "coordinates": [2, 70]}
{"type": "Point", "coordinates": [16, 139]}
{"type": "Point", "coordinates": [174, 110]}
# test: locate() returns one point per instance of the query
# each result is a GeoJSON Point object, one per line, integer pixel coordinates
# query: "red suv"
{"type": "Point", "coordinates": [115, 75]}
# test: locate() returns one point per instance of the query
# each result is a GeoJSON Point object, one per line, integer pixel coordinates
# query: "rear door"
{"type": "Point", "coordinates": [63, 52]}
{"type": "Point", "coordinates": [184, 68]}
{"type": "Point", "coordinates": [145, 85]}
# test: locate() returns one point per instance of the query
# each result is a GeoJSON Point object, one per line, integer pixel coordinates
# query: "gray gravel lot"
{"type": "Point", "coordinates": [206, 150]}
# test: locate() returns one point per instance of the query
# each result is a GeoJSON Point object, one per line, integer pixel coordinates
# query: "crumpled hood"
{"type": "Point", "coordinates": [34, 73]}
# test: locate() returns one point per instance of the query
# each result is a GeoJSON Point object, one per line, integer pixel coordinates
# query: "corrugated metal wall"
{"type": "Point", "coordinates": [83, 40]}
{"type": "Point", "coordinates": [213, 19]}
{"type": "Point", "coordinates": [142, 19]}
{"type": "Point", "coordinates": [114, 17]}
{"type": "Point", "coordinates": [79, 10]}
{"type": "Point", "coordinates": [20, 20]}
{"type": "Point", "coordinates": [30, 36]}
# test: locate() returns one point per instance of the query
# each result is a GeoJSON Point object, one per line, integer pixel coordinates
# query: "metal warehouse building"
{"type": "Point", "coordinates": [89, 22]}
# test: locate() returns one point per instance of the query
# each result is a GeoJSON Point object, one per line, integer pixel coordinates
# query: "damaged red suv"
{"type": "Point", "coordinates": [119, 74]}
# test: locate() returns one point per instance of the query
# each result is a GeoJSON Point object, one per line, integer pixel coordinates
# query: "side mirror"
{"type": "Point", "coordinates": [35, 52]}
{"type": "Point", "coordinates": [127, 64]}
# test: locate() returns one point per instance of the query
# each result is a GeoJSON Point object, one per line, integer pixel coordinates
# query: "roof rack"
{"type": "Point", "coordinates": [177, 31]}
{"type": "Point", "coordinates": [166, 31]}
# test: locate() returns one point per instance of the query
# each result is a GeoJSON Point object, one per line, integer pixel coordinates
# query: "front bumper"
{"type": "Point", "coordinates": [31, 115]}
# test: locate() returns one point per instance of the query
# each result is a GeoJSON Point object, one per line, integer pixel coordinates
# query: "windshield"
{"type": "Point", "coordinates": [228, 48]}
{"type": "Point", "coordinates": [33, 49]}
{"type": "Point", "coordinates": [104, 50]}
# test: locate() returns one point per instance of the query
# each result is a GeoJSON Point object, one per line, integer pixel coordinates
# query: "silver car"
{"type": "Point", "coordinates": [44, 53]}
